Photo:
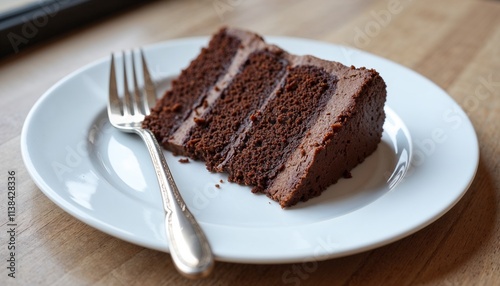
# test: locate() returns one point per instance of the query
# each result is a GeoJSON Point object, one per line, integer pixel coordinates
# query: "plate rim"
{"type": "Point", "coordinates": [296, 257]}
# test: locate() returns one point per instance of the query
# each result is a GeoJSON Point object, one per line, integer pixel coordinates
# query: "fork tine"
{"type": "Point", "coordinates": [137, 93]}
{"type": "Point", "coordinates": [149, 87]}
{"type": "Point", "coordinates": [114, 106]}
{"type": "Point", "coordinates": [127, 108]}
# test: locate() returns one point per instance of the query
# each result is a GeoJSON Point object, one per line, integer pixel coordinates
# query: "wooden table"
{"type": "Point", "coordinates": [454, 43]}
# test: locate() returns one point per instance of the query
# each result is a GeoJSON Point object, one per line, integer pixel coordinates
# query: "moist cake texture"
{"type": "Point", "coordinates": [287, 125]}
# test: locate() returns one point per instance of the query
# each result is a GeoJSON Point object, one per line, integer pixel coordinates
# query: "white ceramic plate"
{"type": "Point", "coordinates": [105, 179]}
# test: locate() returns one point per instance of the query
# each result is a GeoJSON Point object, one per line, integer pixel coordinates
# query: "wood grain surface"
{"type": "Point", "coordinates": [456, 44]}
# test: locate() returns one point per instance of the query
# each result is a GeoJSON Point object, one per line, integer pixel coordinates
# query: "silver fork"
{"type": "Point", "coordinates": [188, 245]}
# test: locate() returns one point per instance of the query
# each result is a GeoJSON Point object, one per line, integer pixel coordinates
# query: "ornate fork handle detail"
{"type": "Point", "coordinates": [188, 246]}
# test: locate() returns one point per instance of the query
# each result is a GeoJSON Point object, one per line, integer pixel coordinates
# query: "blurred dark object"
{"type": "Point", "coordinates": [27, 25]}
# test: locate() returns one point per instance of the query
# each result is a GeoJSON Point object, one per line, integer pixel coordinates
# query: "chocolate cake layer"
{"type": "Point", "coordinates": [348, 130]}
{"type": "Point", "coordinates": [289, 126]}
{"type": "Point", "coordinates": [190, 88]}
{"type": "Point", "coordinates": [278, 129]}
{"type": "Point", "coordinates": [230, 113]}
{"type": "Point", "coordinates": [249, 43]}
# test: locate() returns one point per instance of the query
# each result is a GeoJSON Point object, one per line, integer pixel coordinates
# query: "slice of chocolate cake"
{"type": "Point", "coordinates": [287, 125]}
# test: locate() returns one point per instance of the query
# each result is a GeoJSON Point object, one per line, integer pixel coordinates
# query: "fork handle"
{"type": "Point", "coordinates": [188, 244]}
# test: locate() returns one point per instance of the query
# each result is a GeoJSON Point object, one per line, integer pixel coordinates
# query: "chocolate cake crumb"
{"type": "Point", "coordinates": [217, 186]}
{"type": "Point", "coordinates": [176, 107]}
{"type": "Point", "coordinates": [184, 160]}
{"type": "Point", "coordinates": [200, 121]}
{"type": "Point", "coordinates": [336, 126]}
{"type": "Point", "coordinates": [347, 174]}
